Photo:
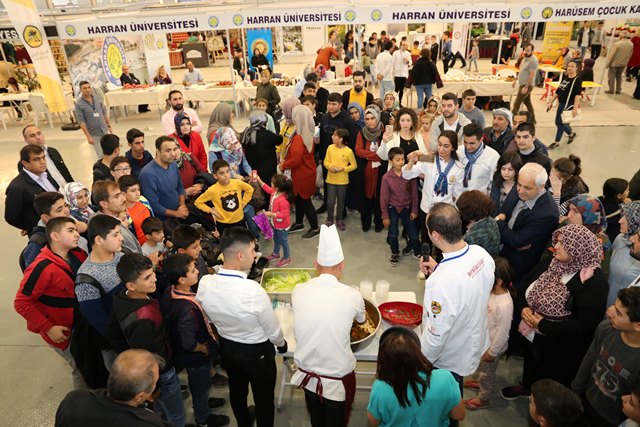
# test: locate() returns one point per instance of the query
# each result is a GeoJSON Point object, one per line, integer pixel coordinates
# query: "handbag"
{"type": "Point", "coordinates": [567, 113]}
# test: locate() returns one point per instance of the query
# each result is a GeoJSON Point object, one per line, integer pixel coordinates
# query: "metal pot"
{"type": "Point", "coordinates": [374, 314]}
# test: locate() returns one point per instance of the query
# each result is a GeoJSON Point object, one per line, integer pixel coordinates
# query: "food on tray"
{"type": "Point", "coordinates": [361, 331]}
{"type": "Point", "coordinates": [286, 282]}
{"type": "Point", "coordinates": [225, 83]}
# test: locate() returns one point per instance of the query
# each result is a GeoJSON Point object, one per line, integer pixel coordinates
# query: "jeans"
{"type": "Point", "coordinates": [249, 213]}
{"type": "Point", "coordinates": [280, 238]}
{"type": "Point", "coordinates": [327, 413]}
{"type": "Point", "coordinates": [409, 226]}
{"type": "Point", "coordinates": [526, 99]}
{"type": "Point", "coordinates": [399, 87]}
{"type": "Point", "coordinates": [583, 51]}
{"type": "Point", "coordinates": [305, 207]}
{"type": "Point", "coordinates": [473, 60]}
{"type": "Point", "coordinates": [424, 93]}
{"type": "Point", "coordinates": [336, 193]}
{"type": "Point", "coordinates": [250, 364]}
{"type": "Point", "coordinates": [170, 400]}
{"type": "Point", "coordinates": [561, 127]}
{"type": "Point", "coordinates": [385, 86]}
{"type": "Point", "coordinates": [199, 384]}
{"type": "Point", "coordinates": [615, 78]}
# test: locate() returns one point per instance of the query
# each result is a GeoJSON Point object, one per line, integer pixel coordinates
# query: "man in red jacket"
{"type": "Point", "coordinates": [46, 297]}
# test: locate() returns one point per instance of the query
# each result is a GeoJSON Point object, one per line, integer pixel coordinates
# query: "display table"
{"type": "Point", "coordinates": [154, 95]}
{"type": "Point", "coordinates": [592, 87]}
{"type": "Point", "coordinates": [367, 354]}
{"type": "Point", "coordinates": [552, 69]}
{"type": "Point", "coordinates": [482, 88]}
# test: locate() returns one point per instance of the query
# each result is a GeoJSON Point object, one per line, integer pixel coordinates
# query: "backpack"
{"type": "Point", "coordinates": [38, 238]}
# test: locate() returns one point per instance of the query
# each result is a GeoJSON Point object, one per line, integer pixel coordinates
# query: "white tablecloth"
{"type": "Point", "coordinates": [156, 95]}
{"type": "Point", "coordinates": [208, 93]}
{"type": "Point", "coordinates": [486, 88]}
{"type": "Point", "coordinates": [370, 352]}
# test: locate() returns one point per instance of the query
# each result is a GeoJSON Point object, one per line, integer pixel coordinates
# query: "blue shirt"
{"type": "Point", "coordinates": [442, 396]}
{"type": "Point", "coordinates": [162, 187]}
{"type": "Point", "coordinates": [92, 114]}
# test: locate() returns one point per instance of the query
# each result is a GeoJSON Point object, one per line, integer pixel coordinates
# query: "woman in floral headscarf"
{"type": "Point", "coordinates": [226, 139]}
{"type": "Point", "coordinates": [190, 142]}
{"type": "Point", "coordinates": [78, 198]}
{"type": "Point", "coordinates": [564, 302]}
{"type": "Point", "coordinates": [260, 145]}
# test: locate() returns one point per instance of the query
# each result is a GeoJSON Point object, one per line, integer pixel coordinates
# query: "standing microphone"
{"type": "Point", "coordinates": [426, 251]}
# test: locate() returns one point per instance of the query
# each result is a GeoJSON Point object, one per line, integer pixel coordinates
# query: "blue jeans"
{"type": "Point", "coordinates": [561, 127]}
{"type": "Point", "coordinates": [249, 213]}
{"type": "Point", "coordinates": [199, 384]}
{"type": "Point", "coordinates": [170, 400]}
{"type": "Point", "coordinates": [280, 238]}
{"type": "Point", "coordinates": [474, 61]}
{"type": "Point", "coordinates": [409, 226]}
{"type": "Point", "coordinates": [386, 86]}
{"type": "Point", "coordinates": [424, 93]}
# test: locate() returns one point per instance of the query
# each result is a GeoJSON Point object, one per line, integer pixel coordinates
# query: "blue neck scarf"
{"type": "Point", "coordinates": [442, 186]}
{"type": "Point", "coordinates": [472, 157]}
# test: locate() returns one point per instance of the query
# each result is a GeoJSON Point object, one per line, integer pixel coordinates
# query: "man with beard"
{"type": "Point", "coordinates": [526, 81]}
{"type": "Point", "coordinates": [177, 106]}
{"type": "Point", "coordinates": [450, 119]}
{"type": "Point", "coordinates": [357, 94]}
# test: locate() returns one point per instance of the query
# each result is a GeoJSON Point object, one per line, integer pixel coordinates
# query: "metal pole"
{"type": "Point", "coordinates": [233, 80]}
{"type": "Point", "coordinates": [498, 63]}
{"type": "Point", "coordinates": [468, 44]}
{"type": "Point", "coordinates": [604, 69]}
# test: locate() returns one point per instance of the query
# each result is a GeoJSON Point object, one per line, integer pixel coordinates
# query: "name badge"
{"type": "Point", "coordinates": [96, 114]}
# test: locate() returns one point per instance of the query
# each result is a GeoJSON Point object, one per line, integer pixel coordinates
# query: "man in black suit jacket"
{"type": "Point", "coordinates": [526, 220]}
{"type": "Point", "coordinates": [30, 182]}
{"type": "Point", "coordinates": [55, 163]}
{"type": "Point", "coordinates": [127, 78]}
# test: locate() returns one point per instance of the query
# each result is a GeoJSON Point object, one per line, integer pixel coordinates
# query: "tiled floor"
{"type": "Point", "coordinates": [34, 380]}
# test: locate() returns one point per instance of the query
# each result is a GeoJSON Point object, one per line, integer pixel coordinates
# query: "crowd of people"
{"type": "Point", "coordinates": [518, 257]}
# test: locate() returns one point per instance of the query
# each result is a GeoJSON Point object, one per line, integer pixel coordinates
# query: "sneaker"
{"type": "Point", "coordinates": [311, 233]}
{"type": "Point", "coordinates": [328, 223]}
{"type": "Point", "coordinates": [394, 260]}
{"type": "Point", "coordinates": [553, 146]}
{"type": "Point", "coordinates": [296, 227]}
{"type": "Point", "coordinates": [514, 392]}
{"type": "Point", "coordinates": [341, 225]}
{"type": "Point", "coordinates": [407, 250]}
{"type": "Point", "coordinates": [417, 255]}
{"type": "Point", "coordinates": [215, 421]}
{"type": "Point", "coordinates": [219, 380]}
{"type": "Point", "coordinates": [216, 402]}
{"type": "Point", "coordinates": [572, 137]}
{"type": "Point", "coordinates": [322, 209]}
{"type": "Point", "coordinates": [273, 257]}
{"type": "Point", "coordinates": [283, 262]}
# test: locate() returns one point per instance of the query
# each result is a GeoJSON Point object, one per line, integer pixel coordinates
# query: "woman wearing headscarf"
{"type": "Point", "coordinates": [355, 199]}
{"type": "Point", "coordinates": [367, 145]}
{"type": "Point", "coordinates": [190, 142]}
{"type": "Point", "coordinates": [300, 166]}
{"type": "Point", "coordinates": [221, 116]}
{"type": "Point", "coordinates": [356, 113]}
{"type": "Point", "coordinates": [260, 145]}
{"type": "Point", "coordinates": [232, 153]}
{"type": "Point", "coordinates": [287, 127]}
{"type": "Point", "coordinates": [624, 269]}
{"type": "Point", "coordinates": [565, 300]}
{"type": "Point", "coordinates": [390, 104]}
{"type": "Point", "coordinates": [77, 196]}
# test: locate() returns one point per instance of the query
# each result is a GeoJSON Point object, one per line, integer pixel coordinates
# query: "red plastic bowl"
{"type": "Point", "coordinates": [401, 313]}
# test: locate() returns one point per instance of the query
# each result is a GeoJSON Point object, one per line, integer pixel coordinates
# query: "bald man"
{"type": "Point", "coordinates": [55, 164]}
{"type": "Point", "coordinates": [132, 383]}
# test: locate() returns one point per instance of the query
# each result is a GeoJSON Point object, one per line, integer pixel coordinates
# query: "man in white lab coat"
{"type": "Point", "coordinates": [323, 312]}
{"type": "Point", "coordinates": [479, 161]}
{"type": "Point", "coordinates": [455, 334]}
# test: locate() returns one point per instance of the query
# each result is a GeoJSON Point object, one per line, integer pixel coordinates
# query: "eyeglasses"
{"type": "Point", "coordinates": [124, 169]}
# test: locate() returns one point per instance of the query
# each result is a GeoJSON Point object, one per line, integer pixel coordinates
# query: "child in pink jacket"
{"type": "Point", "coordinates": [281, 192]}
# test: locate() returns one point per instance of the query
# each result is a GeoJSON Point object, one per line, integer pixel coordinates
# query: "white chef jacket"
{"type": "Point", "coordinates": [430, 172]}
{"type": "Point", "coordinates": [323, 312]}
{"type": "Point", "coordinates": [455, 333]}
{"type": "Point", "coordinates": [482, 170]}
{"type": "Point", "coordinates": [400, 67]}
{"type": "Point", "coordinates": [239, 308]}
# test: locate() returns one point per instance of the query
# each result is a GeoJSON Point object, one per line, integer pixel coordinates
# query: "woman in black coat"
{"type": "Point", "coordinates": [260, 146]}
{"type": "Point", "coordinates": [564, 302]}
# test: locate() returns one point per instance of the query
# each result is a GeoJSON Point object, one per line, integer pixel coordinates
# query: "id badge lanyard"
{"type": "Point", "coordinates": [452, 258]}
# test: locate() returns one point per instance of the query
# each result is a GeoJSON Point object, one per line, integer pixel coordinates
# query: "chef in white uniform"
{"type": "Point", "coordinates": [323, 312]}
{"type": "Point", "coordinates": [456, 297]}
{"type": "Point", "coordinates": [479, 160]}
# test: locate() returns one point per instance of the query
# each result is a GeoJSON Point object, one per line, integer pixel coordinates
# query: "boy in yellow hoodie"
{"type": "Point", "coordinates": [227, 198]}
{"type": "Point", "coordinates": [339, 161]}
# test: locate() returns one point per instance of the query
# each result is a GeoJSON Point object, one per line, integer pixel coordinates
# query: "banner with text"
{"type": "Point", "coordinates": [26, 21]}
{"type": "Point", "coordinates": [345, 15]}
{"type": "Point", "coordinates": [556, 35]}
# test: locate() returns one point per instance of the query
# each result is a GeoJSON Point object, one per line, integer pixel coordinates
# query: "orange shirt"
{"type": "Point", "coordinates": [138, 213]}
